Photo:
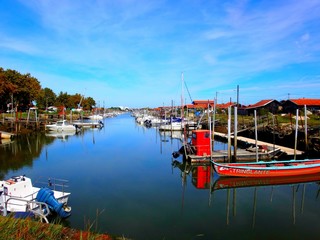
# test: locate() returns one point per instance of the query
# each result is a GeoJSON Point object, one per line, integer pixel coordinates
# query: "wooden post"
{"type": "Point", "coordinates": [229, 134]}
{"type": "Point", "coordinates": [235, 144]}
{"type": "Point", "coordinates": [256, 134]}
{"type": "Point", "coordinates": [214, 120]}
{"type": "Point", "coordinates": [296, 134]}
{"type": "Point", "coordinates": [305, 126]}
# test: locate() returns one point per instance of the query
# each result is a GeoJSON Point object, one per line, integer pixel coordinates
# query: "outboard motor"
{"type": "Point", "coordinates": [176, 154]}
{"type": "Point", "coordinates": [46, 195]}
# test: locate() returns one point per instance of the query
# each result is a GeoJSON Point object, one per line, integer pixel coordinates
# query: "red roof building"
{"type": "Point", "coordinates": [270, 105]}
{"type": "Point", "coordinates": [292, 104]}
{"type": "Point", "coordinates": [225, 105]}
{"type": "Point", "coordinates": [204, 104]}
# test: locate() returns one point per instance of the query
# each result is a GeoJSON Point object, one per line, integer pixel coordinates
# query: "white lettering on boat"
{"type": "Point", "coordinates": [244, 171]}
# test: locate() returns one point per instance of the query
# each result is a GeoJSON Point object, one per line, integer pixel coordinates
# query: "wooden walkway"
{"type": "Point", "coordinates": [289, 151]}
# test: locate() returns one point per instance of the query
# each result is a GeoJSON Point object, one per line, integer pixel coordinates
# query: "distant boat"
{"type": "Point", "coordinates": [95, 117]}
{"type": "Point", "coordinates": [20, 198]}
{"type": "Point", "coordinates": [6, 135]}
{"type": "Point", "coordinates": [173, 126]}
{"type": "Point", "coordinates": [89, 124]}
{"type": "Point", "coordinates": [268, 169]}
{"type": "Point", "coordinates": [61, 126]}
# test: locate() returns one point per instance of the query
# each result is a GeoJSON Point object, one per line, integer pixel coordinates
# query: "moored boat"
{"type": "Point", "coordinates": [95, 117]}
{"type": "Point", "coordinates": [268, 169]}
{"type": "Point", "coordinates": [88, 124]}
{"type": "Point", "coordinates": [19, 197]}
{"type": "Point", "coordinates": [6, 135]}
{"type": "Point", "coordinates": [240, 182]}
{"type": "Point", "coordinates": [61, 126]}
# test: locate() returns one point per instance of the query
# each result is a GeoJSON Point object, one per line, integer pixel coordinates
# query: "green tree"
{"type": "Point", "coordinates": [88, 103]}
{"type": "Point", "coordinates": [22, 89]}
{"type": "Point", "coordinates": [63, 99]}
{"type": "Point", "coordinates": [75, 100]}
{"type": "Point", "coordinates": [46, 98]}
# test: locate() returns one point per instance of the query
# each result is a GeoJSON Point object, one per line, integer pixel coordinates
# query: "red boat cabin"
{"type": "Point", "coordinates": [201, 142]}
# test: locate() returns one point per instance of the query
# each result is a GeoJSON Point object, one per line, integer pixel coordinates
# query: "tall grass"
{"type": "Point", "coordinates": [27, 229]}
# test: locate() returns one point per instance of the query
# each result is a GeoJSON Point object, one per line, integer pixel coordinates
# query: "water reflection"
{"type": "Point", "coordinates": [4, 141]}
{"type": "Point", "coordinates": [200, 174]}
{"type": "Point", "coordinates": [251, 201]}
{"type": "Point", "coordinates": [267, 195]}
{"type": "Point", "coordinates": [21, 152]}
{"type": "Point", "coordinates": [63, 136]}
{"type": "Point", "coordinates": [237, 182]}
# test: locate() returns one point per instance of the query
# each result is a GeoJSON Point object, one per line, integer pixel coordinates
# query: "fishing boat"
{"type": "Point", "coordinates": [268, 169]}
{"type": "Point", "coordinates": [19, 197]}
{"type": "Point", "coordinates": [61, 126]}
{"type": "Point", "coordinates": [240, 182]}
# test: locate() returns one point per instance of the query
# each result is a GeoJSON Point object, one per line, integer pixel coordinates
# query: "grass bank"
{"type": "Point", "coordinates": [27, 229]}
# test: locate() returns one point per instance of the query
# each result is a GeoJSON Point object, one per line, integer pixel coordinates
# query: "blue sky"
{"type": "Point", "coordinates": [132, 53]}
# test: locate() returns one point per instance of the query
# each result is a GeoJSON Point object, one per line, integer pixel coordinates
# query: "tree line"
{"type": "Point", "coordinates": [22, 91]}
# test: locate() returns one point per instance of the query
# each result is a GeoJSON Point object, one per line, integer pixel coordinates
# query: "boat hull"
{"type": "Point", "coordinates": [61, 126]}
{"type": "Point", "coordinates": [240, 182]}
{"type": "Point", "coordinates": [6, 135]}
{"type": "Point", "coordinates": [268, 169]}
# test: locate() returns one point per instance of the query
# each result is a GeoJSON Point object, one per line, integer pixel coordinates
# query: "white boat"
{"type": "Point", "coordinates": [95, 117]}
{"type": "Point", "coordinates": [19, 197]}
{"type": "Point", "coordinates": [61, 126]}
{"type": "Point", "coordinates": [174, 126]}
{"type": "Point", "coordinates": [89, 124]}
{"type": "Point", "coordinates": [6, 135]}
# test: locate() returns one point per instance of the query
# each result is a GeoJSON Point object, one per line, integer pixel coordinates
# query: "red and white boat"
{"type": "Point", "coordinates": [241, 182]}
{"type": "Point", "coordinates": [268, 169]}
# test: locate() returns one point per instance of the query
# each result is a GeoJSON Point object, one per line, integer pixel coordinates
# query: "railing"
{"type": "Point", "coordinates": [39, 209]}
{"type": "Point", "coordinates": [53, 183]}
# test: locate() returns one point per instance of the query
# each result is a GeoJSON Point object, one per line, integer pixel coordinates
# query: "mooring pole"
{"type": "Point", "coordinates": [305, 126]}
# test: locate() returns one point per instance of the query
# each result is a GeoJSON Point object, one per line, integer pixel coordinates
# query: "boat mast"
{"type": "Point", "coordinates": [182, 110]}
{"type": "Point", "coordinates": [256, 134]}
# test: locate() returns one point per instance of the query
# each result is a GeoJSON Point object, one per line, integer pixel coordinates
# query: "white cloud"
{"type": "Point", "coordinates": [142, 46]}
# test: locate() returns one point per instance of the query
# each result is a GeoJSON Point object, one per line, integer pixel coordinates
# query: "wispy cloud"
{"type": "Point", "coordinates": [140, 48]}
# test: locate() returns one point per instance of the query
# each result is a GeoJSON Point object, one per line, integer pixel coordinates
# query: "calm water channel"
{"type": "Point", "coordinates": [124, 181]}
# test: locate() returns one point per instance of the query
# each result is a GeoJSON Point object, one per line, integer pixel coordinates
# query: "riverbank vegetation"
{"type": "Point", "coordinates": [19, 92]}
{"type": "Point", "coordinates": [27, 229]}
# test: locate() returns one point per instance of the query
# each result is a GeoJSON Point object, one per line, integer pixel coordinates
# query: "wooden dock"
{"type": "Point", "coordinates": [243, 155]}
{"type": "Point", "coordinates": [289, 151]}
